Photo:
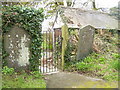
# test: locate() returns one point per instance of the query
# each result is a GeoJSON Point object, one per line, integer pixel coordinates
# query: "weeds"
{"type": "Point", "coordinates": [7, 70]}
{"type": "Point", "coordinates": [12, 79]}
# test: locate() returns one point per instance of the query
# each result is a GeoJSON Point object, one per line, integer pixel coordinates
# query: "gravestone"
{"type": "Point", "coordinates": [85, 43]}
{"type": "Point", "coordinates": [16, 44]}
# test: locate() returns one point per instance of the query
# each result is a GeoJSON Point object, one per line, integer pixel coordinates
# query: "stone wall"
{"type": "Point", "coordinates": [16, 43]}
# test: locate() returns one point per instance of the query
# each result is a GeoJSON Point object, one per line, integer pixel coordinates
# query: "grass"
{"type": "Point", "coordinates": [101, 66]}
{"type": "Point", "coordinates": [23, 80]}
{"type": "Point", "coordinates": [104, 64]}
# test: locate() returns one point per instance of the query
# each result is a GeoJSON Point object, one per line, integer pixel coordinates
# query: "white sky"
{"type": "Point", "coordinates": [107, 3]}
{"type": "Point", "coordinates": [99, 3]}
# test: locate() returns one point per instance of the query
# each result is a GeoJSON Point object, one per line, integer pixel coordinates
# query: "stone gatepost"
{"type": "Point", "coordinates": [85, 43]}
{"type": "Point", "coordinates": [16, 44]}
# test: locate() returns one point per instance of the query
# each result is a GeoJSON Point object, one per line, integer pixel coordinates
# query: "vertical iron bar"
{"type": "Point", "coordinates": [49, 54]}
{"type": "Point", "coordinates": [43, 53]}
{"type": "Point", "coordinates": [55, 50]}
{"type": "Point", "coordinates": [40, 59]}
{"type": "Point", "coordinates": [46, 51]}
{"type": "Point", "coordinates": [52, 51]}
{"type": "Point", "coordinates": [70, 42]}
{"type": "Point", "coordinates": [58, 48]}
{"type": "Point", "coordinates": [61, 49]}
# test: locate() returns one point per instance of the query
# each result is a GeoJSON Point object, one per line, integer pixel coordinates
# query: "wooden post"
{"type": "Point", "coordinates": [64, 42]}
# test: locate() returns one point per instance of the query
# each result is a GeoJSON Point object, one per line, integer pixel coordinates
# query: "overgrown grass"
{"type": "Point", "coordinates": [23, 80]}
{"type": "Point", "coordinates": [104, 64]}
{"type": "Point", "coordinates": [101, 66]}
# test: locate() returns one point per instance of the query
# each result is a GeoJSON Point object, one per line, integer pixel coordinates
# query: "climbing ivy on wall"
{"type": "Point", "coordinates": [30, 20]}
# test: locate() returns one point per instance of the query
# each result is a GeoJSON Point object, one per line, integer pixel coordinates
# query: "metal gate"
{"type": "Point", "coordinates": [51, 51]}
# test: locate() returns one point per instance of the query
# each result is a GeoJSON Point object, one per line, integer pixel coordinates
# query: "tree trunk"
{"type": "Point", "coordinates": [94, 5]}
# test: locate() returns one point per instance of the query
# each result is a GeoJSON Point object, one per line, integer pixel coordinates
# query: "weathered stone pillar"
{"type": "Point", "coordinates": [85, 43]}
{"type": "Point", "coordinates": [64, 42]}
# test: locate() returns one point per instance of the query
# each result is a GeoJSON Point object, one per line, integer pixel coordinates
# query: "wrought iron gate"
{"type": "Point", "coordinates": [51, 51]}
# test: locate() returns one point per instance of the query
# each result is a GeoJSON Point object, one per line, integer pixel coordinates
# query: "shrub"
{"type": "Point", "coordinates": [7, 70]}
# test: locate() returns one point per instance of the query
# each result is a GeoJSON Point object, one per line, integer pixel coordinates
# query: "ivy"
{"type": "Point", "coordinates": [30, 20]}
{"type": "Point", "coordinates": [70, 47]}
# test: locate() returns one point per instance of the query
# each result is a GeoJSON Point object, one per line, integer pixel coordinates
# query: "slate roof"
{"type": "Point", "coordinates": [78, 18]}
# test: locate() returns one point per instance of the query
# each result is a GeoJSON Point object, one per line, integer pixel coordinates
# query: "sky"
{"type": "Point", "coordinates": [107, 3]}
{"type": "Point", "coordinates": [99, 3]}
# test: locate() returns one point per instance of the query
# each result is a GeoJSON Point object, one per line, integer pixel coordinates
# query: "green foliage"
{"type": "Point", "coordinates": [30, 20]}
{"type": "Point", "coordinates": [83, 66]}
{"type": "Point", "coordinates": [89, 64]}
{"type": "Point", "coordinates": [36, 74]}
{"type": "Point", "coordinates": [47, 45]}
{"type": "Point", "coordinates": [71, 47]}
{"type": "Point", "coordinates": [115, 64]}
{"type": "Point", "coordinates": [7, 71]}
{"type": "Point", "coordinates": [4, 55]}
{"type": "Point", "coordinates": [20, 3]}
{"type": "Point", "coordinates": [23, 80]}
{"type": "Point", "coordinates": [68, 52]}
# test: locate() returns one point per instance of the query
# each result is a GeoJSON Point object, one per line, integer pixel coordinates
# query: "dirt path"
{"type": "Point", "coordinates": [74, 80]}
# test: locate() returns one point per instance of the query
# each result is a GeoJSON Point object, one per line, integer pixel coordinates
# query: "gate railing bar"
{"type": "Point", "coordinates": [59, 48]}
{"type": "Point", "coordinates": [40, 60]}
{"type": "Point", "coordinates": [51, 59]}
{"type": "Point", "coordinates": [61, 51]}
{"type": "Point", "coordinates": [52, 51]}
{"type": "Point", "coordinates": [49, 53]}
{"type": "Point", "coordinates": [46, 52]}
{"type": "Point", "coordinates": [55, 51]}
{"type": "Point", "coordinates": [43, 53]}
